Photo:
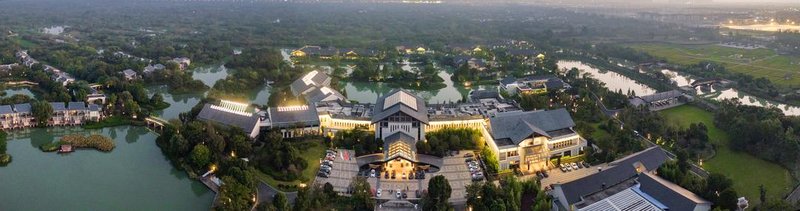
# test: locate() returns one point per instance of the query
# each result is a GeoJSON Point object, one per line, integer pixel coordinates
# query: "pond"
{"type": "Point", "coordinates": [11, 91]}
{"type": "Point", "coordinates": [209, 75]}
{"type": "Point", "coordinates": [613, 81]}
{"type": "Point", "coordinates": [678, 78]}
{"type": "Point", "coordinates": [368, 92]}
{"type": "Point", "coordinates": [133, 176]}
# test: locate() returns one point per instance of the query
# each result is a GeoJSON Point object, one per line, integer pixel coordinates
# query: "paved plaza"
{"type": "Point", "coordinates": [454, 169]}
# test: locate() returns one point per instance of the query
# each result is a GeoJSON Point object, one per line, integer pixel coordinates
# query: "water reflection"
{"type": "Point", "coordinates": [678, 78]}
{"type": "Point", "coordinates": [368, 92]}
{"type": "Point", "coordinates": [613, 81]}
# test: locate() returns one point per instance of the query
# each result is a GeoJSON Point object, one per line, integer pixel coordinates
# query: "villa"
{"type": "Point", "coordinates": [182, 62]}
{"type": "Point", "coordinates": [129, 74]}
{"type": "Point", "coordinates": [532, 84]}
{"type": "Point", "coordinates": [72, 113]}
{"type": "Point", "coordinates": [153, 68]}
{"type": "Point", "coordinates": [311, 80]}
{"type": "Point", "coordinates": [660, 101]}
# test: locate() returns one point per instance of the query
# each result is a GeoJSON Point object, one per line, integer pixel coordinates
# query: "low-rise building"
{"type": "Point", "coordinates": [129, 74]}
{"type": "Point", "coordinates": [182, 62]}
{"type": "Point", "coordinates": [293, 121]}
{"type": "Point", "coordinates": [660, 101]}
{"type": "Point", "coordinates": [532, 84]}
{"type": "Point", "coordinates": [149, 69]}
{"type": "Point", "coordinates": [324, 94]}
{"type": "Point", "coordinates": [231, 114]}
{"type": "Point", "coordinates": [309, 81]}
{"type": "Point", "coordinates": [618, 176]}
{"type": "Point", "coordinates": [529, 139]}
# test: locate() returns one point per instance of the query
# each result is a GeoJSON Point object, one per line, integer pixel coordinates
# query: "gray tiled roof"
{"type": "Point", "coordinates": [291, 118]}
{"type": "Point", "coordinates": [484, 94]}
{"type": "Point", "coordinates": [77, 106]}
{"type": "Point", "coordinates": [661, 96]}
{"type": "Point", "coordinates": [58, 106]}
{"type": "Point", "coordinates": [129, 72]}
{"type": "Point", "coordinates": [668, 193]}
{"type": "Point", "coordinates": [619, 171]}
{"type": "Point", "coordinates": [400, 136]}
{"type": "Point", "coordinates": [246, 123]}
{"type": "Point", "coordinates": [320, 79]}
{"type": "Point", "coordinates": [420, 113]}
{"type": "Point", "coordinates": [518, 126]}
{"type": "Point", "coordinates": [508, 80]}
{"type": "Point", "coordinates": [6, 109]}
{"type": "Point", "coordinates": [319, 94]}
{"type": "Point", "coordinates": [22, 108]}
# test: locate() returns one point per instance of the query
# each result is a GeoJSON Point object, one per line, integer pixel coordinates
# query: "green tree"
{"type": "Point", "coordinates": [361, 198]}
{"type": "Point", "coordinates": [281, 202]}
{"type": "Point", "coordinates": [41, 111]}
{"type": "Point", "coordinates": [201, 156]}
{"type": "Point", "coordinates": [438, 194]}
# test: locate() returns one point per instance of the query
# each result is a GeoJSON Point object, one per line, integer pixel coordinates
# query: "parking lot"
{"type": "Point", "coordinates": [457, 173]}
{"type": "Point", "coordinates": [342, 172]}
{"type": "Point", "coordinates": [556, 176]}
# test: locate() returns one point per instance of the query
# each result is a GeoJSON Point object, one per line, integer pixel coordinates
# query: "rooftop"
{"type": "Point", "coordinates": [517, 126]}
{"type": "Point", "coordinates": [229, 117]}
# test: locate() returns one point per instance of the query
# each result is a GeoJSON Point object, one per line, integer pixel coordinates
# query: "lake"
{"type": "Point", "coordinates": [613, 81]}
{"type": "Point", "coordinates": [208, 75]}
{"type": "Point", "coordinates": [771, 27]}
{"type": "Point", "coordinates": [134, 176]}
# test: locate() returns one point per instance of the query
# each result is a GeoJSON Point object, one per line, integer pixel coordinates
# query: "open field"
{"type": "Point", "coordinates": [746, 171]}
{"type": "Point", "coordinates": [312, 151]}
{"type": "Point", "coordinates": [781, 70]}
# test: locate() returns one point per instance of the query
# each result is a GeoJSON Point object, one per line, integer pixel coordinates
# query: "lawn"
{"type": "Point", "coordinates": [746, 171]}
{"type": "Point", "coordinates": [756, 62]}
{"type": "Point", "coordinates": [312, 151]}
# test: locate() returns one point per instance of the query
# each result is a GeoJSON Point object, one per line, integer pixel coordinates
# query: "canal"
{"type": "Point", "coordinates": [135, 176]}
{"type": "Point", "coordinates": [613, 81]}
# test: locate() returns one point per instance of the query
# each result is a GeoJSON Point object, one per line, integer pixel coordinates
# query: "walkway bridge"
{"type": "Point", "coordinates": [156, 123]}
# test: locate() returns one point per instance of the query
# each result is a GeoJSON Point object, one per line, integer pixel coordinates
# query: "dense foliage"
{"type": "Point", "coordinates": [509, 195]}
{"type": "Point", "coordinates": [763, 132]}
{"type": "Point", "coordinates": [438, 196]}
{"type": "Point", "coordinates": [717, 188]}
{"type": "Point", "coordinates": [280, 158]}
{"type": "Point", "coordinates": [358, 139]}
{"type": "Point", "coordinates": [439, 142]}
{"type": "Point", "coordinates": [5, 158]}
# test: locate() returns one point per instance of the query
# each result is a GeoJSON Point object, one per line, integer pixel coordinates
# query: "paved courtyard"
{"type": "Point", "coordinates": [454, 169]}
{"type": "Point", "coordinates": [557, 176]}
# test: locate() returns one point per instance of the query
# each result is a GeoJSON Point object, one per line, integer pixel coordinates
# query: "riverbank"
{"type": "Point", "coordinates": [776, 179]}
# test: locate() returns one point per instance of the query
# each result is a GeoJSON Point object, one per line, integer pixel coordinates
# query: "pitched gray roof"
{"type": "Point", "coordinates": [508, 80]}
{"type": "Point", "coordinates": [483, 94]}
{"type": "Point", "coordinates": [518, 126]}
{"type": "Point", "coordinates": [312, 79]}
{"type": "Point", "coordinates": [6, 109]}
{"type": "Point", "coordinates": [228, 118]}
{"type": "Point", "coordinates": [281, 117]}
{"type": "Point", "coordinates": [129, 72]}
{"type": "Point", "coordinates": [58, 106]}
{"type": "Point", "coordinates": [77, 106]}
{"type": "Point", "coordinates": [419, 113]}
{"type": "Point", "coordinates": [661, 96]}
{"type": "Point", "coordinates": [22, 108]}
{"type": "Point", "coordinates": [668, 193]}
{"type": "Point", "coordinates": [319, 94]}
{"type": "Point", "coordinates": [401, 137]}
{"type": "Point", "coordinates": [618, 171]}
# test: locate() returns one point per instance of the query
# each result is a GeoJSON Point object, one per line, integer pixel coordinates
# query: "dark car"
{"type": "Point", "coordinates": [585, 164]}
{"type": "Point", "coordinates": [322, 174]}
{"type": "Point", "coordinates": [386, 175]}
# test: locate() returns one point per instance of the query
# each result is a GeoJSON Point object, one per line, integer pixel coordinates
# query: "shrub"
{"type": "Point", "coordinates": [5, 159]}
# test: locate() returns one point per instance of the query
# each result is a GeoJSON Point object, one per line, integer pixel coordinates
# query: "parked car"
{"type": "Point", "coordinates": [575, 166]}
{"type": "Point", "coordinates": [393, 175]}
{"type": "Point", "coordinates": [372, 174]}
{"type": "Point", "coordinates": [378, 193]}
{"type": "Point", "coordinates": [320, 174]}
{"type": "Point", "coordinates": [386, 175]}
{"type": "Point", "coordinates": [397, 193]}
{"type": "Point", "coordinates": [468, 155]}
{"type": "Point", "coordinates": [585, 164]}
{"type": "Point", "coordinates": [405, 196]}
{"type": "Point", "coordinates": [544, 173]}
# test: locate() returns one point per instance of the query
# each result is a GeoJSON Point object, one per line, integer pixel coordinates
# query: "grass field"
{"type": "Point", "coordinates": [756, 62]}
{"type": "Point", "coordinates": [746, 171]}
{"type": "Point", "coordinates": [312, 151]}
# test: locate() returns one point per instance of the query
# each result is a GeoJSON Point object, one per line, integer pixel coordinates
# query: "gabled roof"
{"type": "Point", "coordinates": [6, 109]}
{"type": "Point", "coordinates": [324, 94]}
{"type": "Point", "coordinates": [400, 101]}
{"type": "Point", "coordinates": [293, 116]}
{"type": "Point", "coordinates": [77, 106]}
{"type": "Point", "coordinates": [129, 72]}
{"type": "Point", "coordinates": [311, 79]}
{"type": "Point", "coordinates": [58, 106]}
{"type": "Point", "coordinates": [508, 80]}
{"type": "Point", "coordinates": [22, 108]}
{"type": "Point", "coordinates": [617, 172]}
{"type": "Point", "coordinates": [668, 193]}
{"type": "Point", "coordinates": [244, 120]}
{"type": "Point", "coordinates": [518, 126]}
{"type": "Point", "coordinates": [661, 96]}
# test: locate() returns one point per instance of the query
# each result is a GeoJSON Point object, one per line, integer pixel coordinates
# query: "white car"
{"type": "Point", "coordinates": [397, 193]}
{"type": "Point", "coordinates": [574, 166]}
{"type": "Point", "coordinates": [378, 193]}
{"type": "Point", "coordinates": [372, 174]}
